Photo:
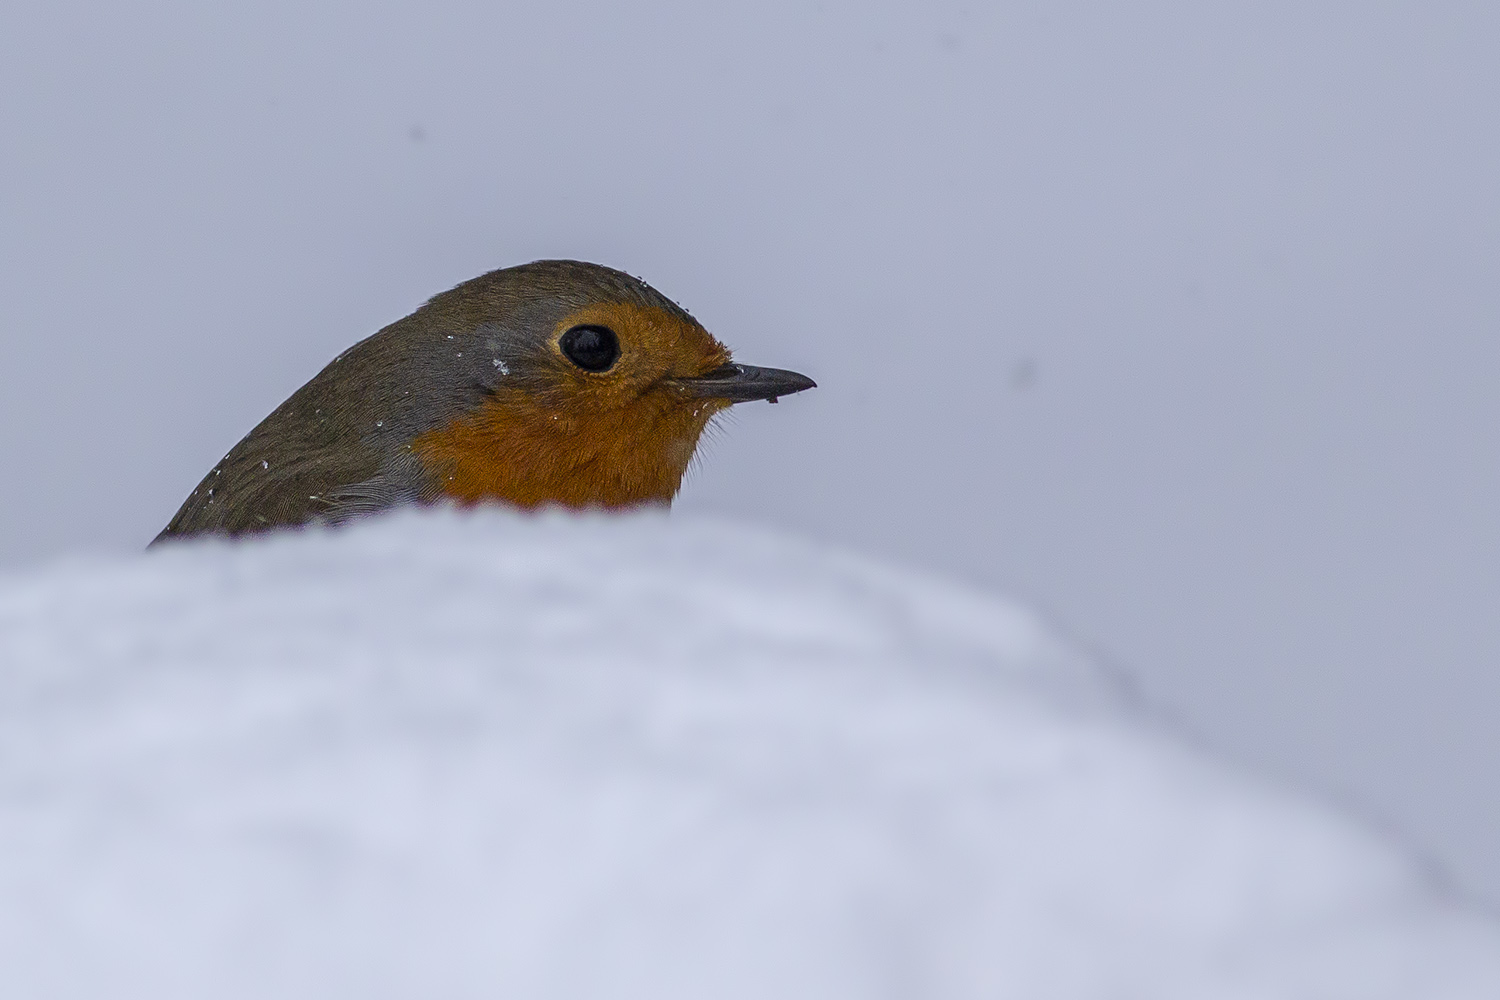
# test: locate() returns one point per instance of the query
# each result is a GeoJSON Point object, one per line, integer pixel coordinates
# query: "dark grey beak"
{"type": "Point", "coordinates": [743, 383]}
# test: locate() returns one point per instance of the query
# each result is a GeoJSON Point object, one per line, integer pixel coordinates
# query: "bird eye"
{"type": "Point", "coordinates": [592, 348]}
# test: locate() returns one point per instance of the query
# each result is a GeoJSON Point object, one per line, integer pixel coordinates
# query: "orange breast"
{"type": "Point", "coordinates": [518, 453]}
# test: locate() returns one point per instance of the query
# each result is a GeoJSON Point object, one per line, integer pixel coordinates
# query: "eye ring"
{"type": "Point", "coordinates": [591, 347]}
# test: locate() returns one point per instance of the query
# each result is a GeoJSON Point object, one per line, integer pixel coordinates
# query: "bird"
{"type": "Point", "coordinates": [557, 383]}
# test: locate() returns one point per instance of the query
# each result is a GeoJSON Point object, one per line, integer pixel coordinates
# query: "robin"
{"type": "Point", "coordinates": [553, 383]}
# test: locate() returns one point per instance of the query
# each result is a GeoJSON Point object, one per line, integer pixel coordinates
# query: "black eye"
{"type": "Point", "coordinates": [592, 348]}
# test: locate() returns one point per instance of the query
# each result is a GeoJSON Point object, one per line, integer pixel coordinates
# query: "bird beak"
{"type": "Point", "coordinates": [743, 383]}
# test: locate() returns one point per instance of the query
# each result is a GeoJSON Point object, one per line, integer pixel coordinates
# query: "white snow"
{"type": "Point", "coordinates": [450, 756]}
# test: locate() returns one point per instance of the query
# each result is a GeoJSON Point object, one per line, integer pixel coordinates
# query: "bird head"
{"type": "Point", "coordinates": [592, 390]}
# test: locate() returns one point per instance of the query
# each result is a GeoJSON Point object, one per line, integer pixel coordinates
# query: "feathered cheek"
{"type": "Point", "coordinates": [704, 410]}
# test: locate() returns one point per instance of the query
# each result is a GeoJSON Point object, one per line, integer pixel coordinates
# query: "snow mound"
{"type": "Point", "coordinates": [444, 755]}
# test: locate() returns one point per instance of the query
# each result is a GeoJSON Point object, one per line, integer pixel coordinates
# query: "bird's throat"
{"type": "Point", "coordinates": [516, 451]}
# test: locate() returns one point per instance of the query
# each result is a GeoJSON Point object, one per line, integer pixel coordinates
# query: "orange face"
{"type": "Point", "coordinates": [597, 422]}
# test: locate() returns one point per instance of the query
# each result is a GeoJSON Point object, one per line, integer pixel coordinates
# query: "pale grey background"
{"type": "Point", "coordinates": [1181, 321]}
